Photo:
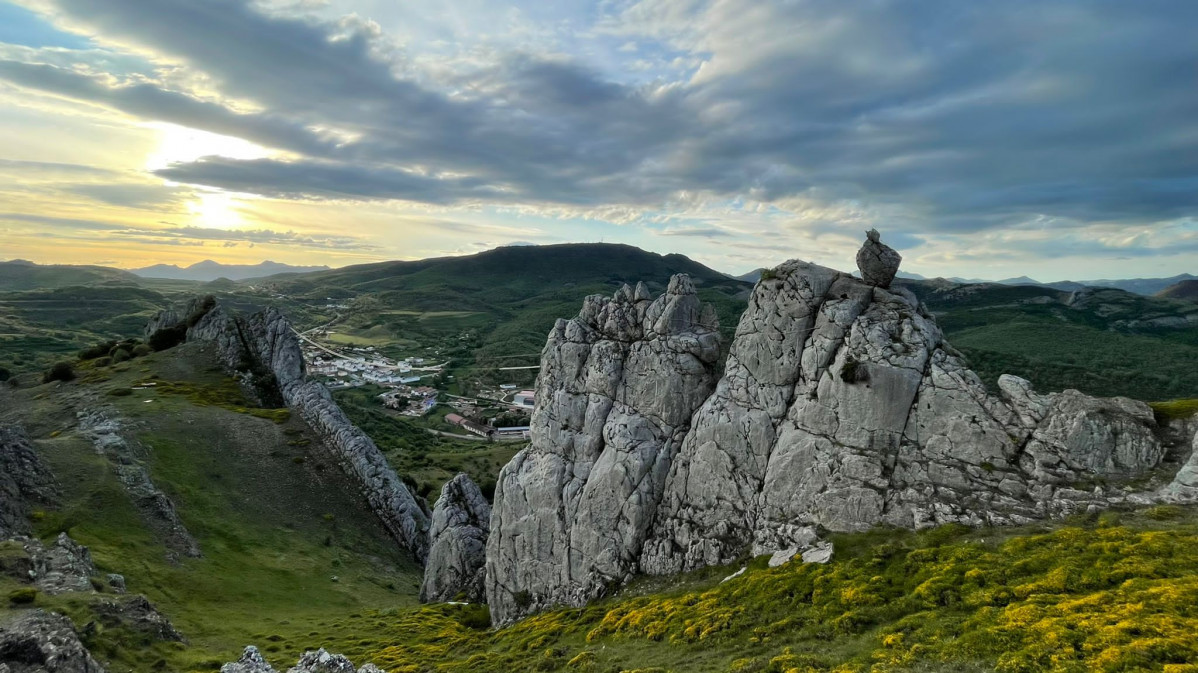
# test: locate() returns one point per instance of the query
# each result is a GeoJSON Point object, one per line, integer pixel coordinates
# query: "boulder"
{"type": "Point", "coordinates": [313, 661]}
{"type": "Point", "coordinates": [456, 566]}
{"type": "Point", "coordinates": [877, 261]}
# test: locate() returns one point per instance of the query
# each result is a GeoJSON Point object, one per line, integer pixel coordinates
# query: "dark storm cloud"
{"type": "Point", "coordinates": [948, 116]}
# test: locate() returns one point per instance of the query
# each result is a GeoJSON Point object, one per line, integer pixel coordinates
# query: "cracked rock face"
{"type": "Point", "coordinates": [455, 569]}
{"type": "Point", "coordinates": [841, 407]}
{"type": "Point", "coordinates": [616, 391]}
{"type": "Point", "coordinates": [37, 641]}
{"type": "Point", "coordinates": [24, 480]}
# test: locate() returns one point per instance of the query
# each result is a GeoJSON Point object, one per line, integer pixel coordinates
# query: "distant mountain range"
{"type": "Point", "coordinates": [209, 270]}
{"type": "Point", "coordinates": [1142, 286]}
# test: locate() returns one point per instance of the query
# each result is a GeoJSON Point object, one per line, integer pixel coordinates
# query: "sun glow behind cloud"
{"type": "Point", "coordinates": [212, 208]}
{"type": "Point", "coordinates": [179, 144]}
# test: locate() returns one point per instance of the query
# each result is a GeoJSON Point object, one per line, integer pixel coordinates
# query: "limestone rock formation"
{"type": "Point", "coordinates": [24, 481]}
{"type": "Point", "coordinates": [877, 261]}
{"type": "Point", "coordinates": [841, 407]}
{"type": "Point", "coordinates": [615, 394]}
{"type": "Point", "coordinates": [457, 544]}
{"type": "Point", "coordinates": [43, 642]}
{"type": "Point", "coordinates": [263, 351]}
{"type": "Point", "coordinates": [314, 661]}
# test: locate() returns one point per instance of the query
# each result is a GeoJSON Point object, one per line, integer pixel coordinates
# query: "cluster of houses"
{"type": "Point", "coordinates": [410, 401]}
{"type": "Point", "coordinates": [364, 366]}
{"type": "Point", "coordinates": [486, 430]}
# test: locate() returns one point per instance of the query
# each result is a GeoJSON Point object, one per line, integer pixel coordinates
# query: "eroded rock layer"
{"type": "Point", "coordinates": [841, 407]}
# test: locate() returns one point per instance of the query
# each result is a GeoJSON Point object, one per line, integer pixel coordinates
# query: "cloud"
{"type": "Point", "coordinates": [928, 119]}
{"type": "Point", "coordinates": [697, 232]}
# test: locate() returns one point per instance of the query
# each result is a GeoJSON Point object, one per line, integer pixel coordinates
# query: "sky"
{"type": "Point", "coordinates": [1045, 138]}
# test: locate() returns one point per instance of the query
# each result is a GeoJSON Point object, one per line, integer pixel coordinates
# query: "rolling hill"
{"type": "Point", "coordinates": [18, 275]}
{"type": "Point", "coordinates": [1186, 290]}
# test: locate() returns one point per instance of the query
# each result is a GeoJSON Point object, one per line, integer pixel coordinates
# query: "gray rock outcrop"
{"type": "Point", "coordinates": [264, 353]}
{"type": "Point", "coordinates": [136, 613]}
{"type": "Point", "coordinates": [24, 481]}
{"type": "Point", "coordinates": [103, 427]}
{"type": "Point", "coordinates": [313, 661]}
{"type": "Point", "coordinates": [457, 554]}
{"type": "Point", "coordinates": [36, 641]}
{"type": "Point", "coordinates": [615, 395]}
{"type": "Point", "coordinates": [841, 407]}
{"type": "Point", "coordinates": [877, 261]}
{"type": "Point", "coordinates": [62, 567]}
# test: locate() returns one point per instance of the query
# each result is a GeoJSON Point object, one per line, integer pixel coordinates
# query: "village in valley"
{"type": "Point", "coordinates": [414, 387]}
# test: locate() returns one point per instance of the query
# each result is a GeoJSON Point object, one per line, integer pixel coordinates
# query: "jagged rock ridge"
{"type": "Point", "coordinates": [615, 395]}
{"type": "Point", "coordinates": [841, 407]}
{"type": "Point", "coordinates": [263, 351]}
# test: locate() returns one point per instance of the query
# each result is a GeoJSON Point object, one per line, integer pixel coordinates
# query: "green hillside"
{"type": "Point", "coordinates": [291, 557]}
{"type": "Point", "coordinates": [1105, 342]}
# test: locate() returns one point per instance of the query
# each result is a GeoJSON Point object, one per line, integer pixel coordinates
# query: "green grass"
{"type": "Point", "coordinates": [1109, 593]}
{"type": "Point", "coordinates": [1174, 409]}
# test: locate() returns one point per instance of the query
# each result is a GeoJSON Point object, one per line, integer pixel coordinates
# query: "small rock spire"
{"type": "Point", "coordinates": [877, 261]}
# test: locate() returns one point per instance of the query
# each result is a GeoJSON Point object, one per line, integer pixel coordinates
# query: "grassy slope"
{"type": "Point", "coordinates": [1111, 593]}
{"type": "Point", "coordinates": [274, 516]}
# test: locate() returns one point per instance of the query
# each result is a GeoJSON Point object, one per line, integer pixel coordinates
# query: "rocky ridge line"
{"type": "Point", "coordinates": [841, 407]}
{"type": "Point", "coordinates": [264, 353]}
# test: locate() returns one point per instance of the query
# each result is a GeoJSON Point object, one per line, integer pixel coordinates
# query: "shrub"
{"type": "Point", "coordinates": [120, 392]}
{"type": "Point", "coordinates": [61, 371]}
{"type": "Point", "coordinates": [168, 337]}
{"type": "Point", "coordinates": [769, 274]}
{"type": "Point", "coordinates": [141, 350]}
{"type": "Point", "coordinates": [121, 355]}
{"type": "Point", "coordinates": [5, 374]}
{"type": "Point", "coordinates": [99, 350]}
{"type": "Point", "coordinates": [206, 304]}
{"type": "Point", "coordinates": [23, 596]}
{"type": "Point", "coordinates": [852, 371]}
